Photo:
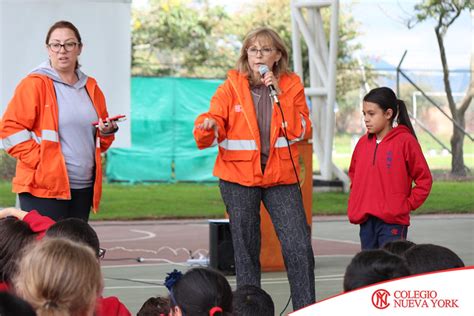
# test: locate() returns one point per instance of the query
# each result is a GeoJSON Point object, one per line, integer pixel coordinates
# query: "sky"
{"type": "Point", "coordinates": [384, 36]}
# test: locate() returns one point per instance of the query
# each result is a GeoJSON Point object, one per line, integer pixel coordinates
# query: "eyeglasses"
{"type": "Point", "coordinates": [56, 47]}
{"type": "Point", "coordinates": [253, 51]}
{"type": "Point", "coordinates": [101, 253]}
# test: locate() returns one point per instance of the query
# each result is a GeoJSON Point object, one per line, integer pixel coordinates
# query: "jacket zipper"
{"type": "Point", "coordinates": [375, 154]}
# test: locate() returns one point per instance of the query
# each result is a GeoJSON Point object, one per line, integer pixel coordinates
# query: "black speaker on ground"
{"type": "Point", "coordinates": [221, 251]}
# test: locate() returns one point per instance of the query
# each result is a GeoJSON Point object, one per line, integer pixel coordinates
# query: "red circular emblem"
{"type": "Point", "coordinates": [380, 299]}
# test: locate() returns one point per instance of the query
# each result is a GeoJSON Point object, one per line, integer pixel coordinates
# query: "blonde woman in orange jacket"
{"type": "Point", "coordinates": [254, 163]}
{"type": "Point", "coordinates": [47, 127]}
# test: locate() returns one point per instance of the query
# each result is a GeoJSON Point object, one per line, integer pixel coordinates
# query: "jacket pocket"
{"type": "Point", "coordinates": [51, 172]}
{"type": "Point", "coordinates": [399, 203]}
{"type": "Point", "coordinates": [24, 174]}
{"type": "Point", "coordinates": [284, 153]}
{"type": "Point", "coordinates": [238, 155]}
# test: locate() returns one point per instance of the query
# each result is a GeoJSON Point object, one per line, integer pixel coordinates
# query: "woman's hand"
{"type": "Point", "coordinates": [270, 79]}
{"type": "Point", "coordinates": [208, 124]}
{"type": "Point", "coordinates": [109, 129]}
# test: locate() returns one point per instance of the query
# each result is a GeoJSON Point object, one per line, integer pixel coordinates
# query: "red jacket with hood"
{"type": "Point", "coordinates": [382, 176]}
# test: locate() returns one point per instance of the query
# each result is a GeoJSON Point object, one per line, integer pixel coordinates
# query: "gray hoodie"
{"type": "Point", "coordinates": [76, 133]}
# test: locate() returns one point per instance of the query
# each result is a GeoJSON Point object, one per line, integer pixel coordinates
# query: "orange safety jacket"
{"type": "Point", "coordinates": [29, 133]}
{"type": "Point", "coordinates": [238, 134]}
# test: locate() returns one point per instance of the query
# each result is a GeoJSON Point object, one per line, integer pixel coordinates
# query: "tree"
{"type": "Point", "coordinates": [180, 38]}
{"type": "Point", "coordinates": [445, 12]}
{"type": "Point", "coordinates": [193, 39]}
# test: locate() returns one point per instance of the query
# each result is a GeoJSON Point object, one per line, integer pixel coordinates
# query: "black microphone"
{"type": "Point", "coordinates": [263, 69]}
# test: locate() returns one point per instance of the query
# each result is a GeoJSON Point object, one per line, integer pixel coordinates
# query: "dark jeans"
{"type": "Point", "coordinates": [285, 207]}
{"type": "Point", "coordinates": [374, 233]}
{"type": "Point", "coordinates": [78, 206]}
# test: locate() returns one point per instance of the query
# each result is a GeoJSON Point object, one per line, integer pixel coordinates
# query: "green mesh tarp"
{"type": "Point", "coordinates": [163, 149]}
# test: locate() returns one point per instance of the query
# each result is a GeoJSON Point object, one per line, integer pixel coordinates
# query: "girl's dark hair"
{"type": "Point", "coordinates": [77, 230]}
{"type": "Point", "coordinates": [13, 305]}
{"type": "Point", "coordinates": [398, 247]}
{"type": "Point", "coordinates": [201, 289]}
{"type": "Point", "coordinates": [386, 99]}
{"type": "Point", "coordinates": [155, 306]}
{"type": "Point", "coordinates": [251, 300]}
{"type": "Point", "coordinates": [15, 236]}
{"type": "Point", "coordinates": [425, 258]}
{"type": "Point", "coordinates": [373, 266]}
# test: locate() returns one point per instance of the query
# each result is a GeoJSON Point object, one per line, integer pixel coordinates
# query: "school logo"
{"type": "Point", "coordinates": [440, 293]}
{"type": "Point", "coordinates": [380, 299]}
{"type": "Point", "coordinates": [410, 299]}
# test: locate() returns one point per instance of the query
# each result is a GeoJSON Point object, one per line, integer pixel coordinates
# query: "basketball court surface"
{"type": "Point", "coordinates": [140, 253]}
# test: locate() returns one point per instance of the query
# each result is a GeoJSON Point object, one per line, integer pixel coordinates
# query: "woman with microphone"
{"type": "Point", "coordinates": [252, 127]}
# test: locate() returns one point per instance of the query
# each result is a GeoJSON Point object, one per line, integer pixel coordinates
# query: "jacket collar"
{"type": "Point", "coordinates": [400, 129]}
{"type": "Point", "coordinates": [241, 86]}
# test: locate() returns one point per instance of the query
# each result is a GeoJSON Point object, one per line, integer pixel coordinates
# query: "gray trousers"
{"type": "Point", "coordinates": [285, 207]}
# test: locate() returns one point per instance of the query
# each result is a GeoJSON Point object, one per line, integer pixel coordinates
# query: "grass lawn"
{"type": "Point", "coordinates": [182, 200]}
{"type": "Point", "coordinates": [185, 200]}
{"type": "Point", "coordinates": [436, 158]}
{"type": "Point", "coordinates": [445, 197]}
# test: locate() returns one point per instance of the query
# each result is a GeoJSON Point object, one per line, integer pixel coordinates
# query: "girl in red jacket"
{"type": "Point", "coordinates": [385, 163]}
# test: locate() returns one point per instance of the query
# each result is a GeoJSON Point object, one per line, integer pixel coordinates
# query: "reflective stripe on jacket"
{"type": "Point", "coordinates": [238, 134]}
{"type": "Point", "coordinates": [29, 133]}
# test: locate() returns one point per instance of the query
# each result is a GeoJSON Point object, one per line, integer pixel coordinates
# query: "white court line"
{"type": "Point", "coordinates": [337, 240]}
{"type": "Point", "coordinates": [148, 234]}
{"type": "Point", "coordinates": [133, 287]}
{"type": "Point", "coordinates": [144, 265]}
{"type": "Point", "coordinates": [232, 279]}
{"type": "Point", "coordinates": [136, 265]}
{"type": "Point", "coordinates": [264, 282]}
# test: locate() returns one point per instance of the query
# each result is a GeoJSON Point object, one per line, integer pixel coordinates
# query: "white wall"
{"type": "Point", "coordinates": [105, 31]}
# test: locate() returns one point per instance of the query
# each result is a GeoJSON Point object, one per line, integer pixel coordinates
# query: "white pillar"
{"type": "Point", "coordinates": [322, 76]}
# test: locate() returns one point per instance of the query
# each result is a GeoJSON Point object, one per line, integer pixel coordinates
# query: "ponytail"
{"type": "Point", "coordinates": [50, 308]}
{"type": "Point", "coordinates": [403, 118]}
